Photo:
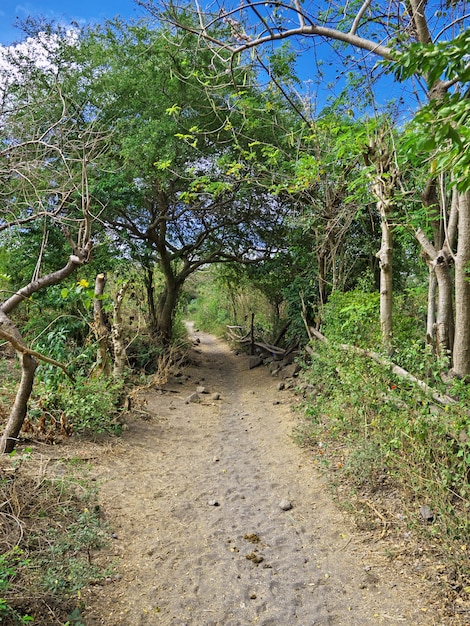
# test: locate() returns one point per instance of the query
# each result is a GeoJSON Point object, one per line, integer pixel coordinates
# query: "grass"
{"type": "Point", "coordinates": [52, 532]}
{"type": "Point", "coordinates": [390, 450]}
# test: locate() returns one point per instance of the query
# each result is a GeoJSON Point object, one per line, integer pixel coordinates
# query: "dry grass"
{"type": "Point", "coordinates": [50, 530]}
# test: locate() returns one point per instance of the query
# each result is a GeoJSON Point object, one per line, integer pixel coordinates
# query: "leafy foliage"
{"type": "Point", "coordinates": [442, 128]}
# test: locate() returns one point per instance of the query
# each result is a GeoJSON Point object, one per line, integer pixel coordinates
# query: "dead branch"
{"type": "Point", "coordinates": [396, 369]}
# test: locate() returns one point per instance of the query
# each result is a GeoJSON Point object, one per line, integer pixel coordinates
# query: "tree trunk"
{"type": "Point", "coordinates": [120, 355]}
{"type": "Point", "coordinates": [166, 309]}
{"type": "Point", "coordinates": [101, 330]}
{"type": "Point", "coordinates": [20, 406]}
{"type": "Point", "coordinates": [386, 284]}
{"type": "Point", "coordinates": [383, 186]}
{"type": "Point", "coordinates": [445, 307]}
{"type": "Point", "coordinates": [152, 316]}
{"type": "Point", "coordinates": [461, 361]}
{"type": "Point", "coordinates": [431, 312]}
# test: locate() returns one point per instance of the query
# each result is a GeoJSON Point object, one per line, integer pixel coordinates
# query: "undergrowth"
{"type": "Point", "coordinates": [376, 433]}
{"type": "Point", "coordinates": [51, 533]}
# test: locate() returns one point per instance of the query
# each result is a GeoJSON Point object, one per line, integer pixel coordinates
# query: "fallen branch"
{"type": "Point", "coordinates": [396, 369]}
{"type": "Point", "coordinates": [246, 340]}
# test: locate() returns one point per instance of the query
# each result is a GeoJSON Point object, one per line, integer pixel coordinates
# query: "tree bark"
{"type": "Point", "coordinates": [101, 330]}
{"type": "Point", "coordinates": [431, 311]}
{"type": "Point", "coordinates": [152, 318]}
{"type": "Point", "coordinates": [120, 355]}
{"type": "Point", "coordinates": [18, 411]}
{"type": "Point", "coordinates": [383, 187]}
{"type": "Point", "coordinates": [461, 361]}
{"type": "Point", "coordinates": [166, 308]}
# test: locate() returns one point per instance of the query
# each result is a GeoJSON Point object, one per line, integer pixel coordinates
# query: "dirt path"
{"type": "Point", "coordinates": [194, 496]}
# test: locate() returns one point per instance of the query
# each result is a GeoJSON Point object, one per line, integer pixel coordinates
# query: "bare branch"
{"type": "Point", "coordinates": [357, 19]}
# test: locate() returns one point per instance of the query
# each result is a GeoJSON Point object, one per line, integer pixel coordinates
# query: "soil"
{"type": "Point", "coordinates": [219, 518]}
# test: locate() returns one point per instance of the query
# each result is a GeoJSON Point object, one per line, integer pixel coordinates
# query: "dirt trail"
{"type": "Point", "coordinates": [194, 494]}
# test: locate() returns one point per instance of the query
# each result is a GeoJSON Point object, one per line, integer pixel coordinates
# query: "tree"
{"type": "Point", "coordinates": [48, 147]}
{"type": "Point", "coordinates": [178, 195]}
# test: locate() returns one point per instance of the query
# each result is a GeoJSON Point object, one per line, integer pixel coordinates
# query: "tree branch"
{"type": "Point", "coordinates": [20, 347]}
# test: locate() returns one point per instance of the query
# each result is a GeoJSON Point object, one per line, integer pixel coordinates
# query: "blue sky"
{"type": "Point", "coordinates": [82, 11]}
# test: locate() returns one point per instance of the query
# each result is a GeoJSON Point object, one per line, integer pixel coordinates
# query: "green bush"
{"type": "Point", "coordinates": [89, 405]}
{"type": "Point", "coordinates": [352, 317]}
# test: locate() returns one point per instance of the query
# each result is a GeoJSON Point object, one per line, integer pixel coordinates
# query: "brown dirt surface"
{"type": "Point", "coordinates": [197, 497]}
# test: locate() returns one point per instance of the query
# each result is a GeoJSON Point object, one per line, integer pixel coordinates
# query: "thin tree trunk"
{"type": "Point", "coordinates": [101, 330]}
{"type": "Point", "coordinates": [120, 355]}
{"type": "Point", "coordinates": [385, 255]}
{"type": "Point", "coordinates": [152, 316]}
{"type": "Point", "coordinates": [461, 362]}
{"type": "Point", "coordinates": [383, 186]}
{"type": "Point", "coordinates": [431, 312]}
{"type": "Point", "coordinates": [20, 406]}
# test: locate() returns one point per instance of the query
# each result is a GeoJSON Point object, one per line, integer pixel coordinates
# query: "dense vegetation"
{"type": "Point", "coordinates": [178, 165]}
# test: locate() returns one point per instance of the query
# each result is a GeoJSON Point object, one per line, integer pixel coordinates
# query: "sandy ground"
{"type": "Point", "coordinates": [196, 494]}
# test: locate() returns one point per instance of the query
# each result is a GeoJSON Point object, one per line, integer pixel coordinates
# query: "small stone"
{"type": "Point", "coordinates": [276, 402]}
{"type": "Point", "coordinates": [201, 389]}
{"type": "Point", "coordinates": [281, 386]}
{"type": "Point", "coordinates": [254, 361]}
{"type": "Point", "coordinates": [215, 459]}
{"type": "Point", "coordinates": [194, 397]}
{"type": "Point", "coordinates": [215, 396]}
{"type": "Point", "coordinates": [426, 513]}
{"type": "Point", "coordinates": [285, 505]}
{"type": "Point", "coordinates": [213, 503]}
{"type": "Point", "coordinates": [253, 596]}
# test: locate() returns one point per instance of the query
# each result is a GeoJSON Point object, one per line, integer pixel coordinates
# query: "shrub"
{"type": "Point", "coordinates": [88, 405]}
{"type": "Point", "coordinates": [352, 317]}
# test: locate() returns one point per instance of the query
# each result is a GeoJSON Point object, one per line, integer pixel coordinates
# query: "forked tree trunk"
{"type": "Point", "coordinates": [27, 361]}
{"type": "Point", "coordinates": [438, 256]}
